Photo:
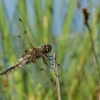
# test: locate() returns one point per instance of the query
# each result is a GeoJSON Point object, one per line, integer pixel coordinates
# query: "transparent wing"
{"type": "Point", "coordinates": [19, 30]}
{"type": "Point", "coordinates": [18, 46]}
{"type": "Point", "coordinates": [39, 74]}
{"type": "Point", "coordinates": [49, 62]}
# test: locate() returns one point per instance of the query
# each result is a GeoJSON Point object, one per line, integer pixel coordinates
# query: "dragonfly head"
{"type": "Point", "coordinates": [47, 48]}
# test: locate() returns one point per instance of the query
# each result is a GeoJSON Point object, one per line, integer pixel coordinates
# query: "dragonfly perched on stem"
{"type": "Point", "coordinates": [29, 56]}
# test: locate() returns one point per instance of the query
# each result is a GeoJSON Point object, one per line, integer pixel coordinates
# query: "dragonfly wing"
{"type": "Point", "coordinates": [18, 29]}
{"type": "Point", "coordinates": [39, 74]}
{"type": "Point", "coordinates": [49, 62]}
{"type": "Point", "coordinates": [18, 46]}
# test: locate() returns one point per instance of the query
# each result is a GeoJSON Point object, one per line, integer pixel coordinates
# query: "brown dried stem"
{"type": "Point", "coordinates": [86, 17]}
{"type": "Point", "coordinates": [57, 77]}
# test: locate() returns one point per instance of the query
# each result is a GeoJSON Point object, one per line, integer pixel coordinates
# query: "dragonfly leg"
{"type": "Point", "coordinates": [46, 62]}
{"type": "Point", "coordinates": [33, 59]}
{"type": "Point", "coordinates": [52, 59]}
{"type": "Point", "coordinates": [49, 57]}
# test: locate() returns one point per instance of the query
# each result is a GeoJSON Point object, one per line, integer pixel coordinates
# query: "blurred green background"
{"type": "Point", "coordinates": [59, 23]}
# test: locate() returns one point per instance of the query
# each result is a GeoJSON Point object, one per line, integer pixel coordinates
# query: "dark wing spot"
{"type": "Point", "coordinates": [25, 32]}
{"type": "Point", "coordinates": [52, 80]}
{"type": "Point", "coordinates": [41, 69]}
{"type": "Point", "coordinates": [58, 64]}
{"type": "Point", "coordinates": [20, 19]}
{"type": "Point", "coordinates": [19, 36]}
{"type": "Point", "coordinates": [26, 51]}
{"type": "Point", "coordinates": [23, 44]}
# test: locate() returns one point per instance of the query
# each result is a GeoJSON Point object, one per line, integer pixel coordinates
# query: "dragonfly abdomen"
{"type": "Point", "coordinates": [10, 69]}
{"type": "Point", "coordinates": [18, 65]}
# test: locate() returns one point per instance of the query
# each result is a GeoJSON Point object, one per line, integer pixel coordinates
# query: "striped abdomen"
{"type": "Point", "coordinates": [18, 65]}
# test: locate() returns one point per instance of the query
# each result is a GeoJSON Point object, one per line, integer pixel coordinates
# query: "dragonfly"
{"type": "Point", "coordinates": [29, 57]}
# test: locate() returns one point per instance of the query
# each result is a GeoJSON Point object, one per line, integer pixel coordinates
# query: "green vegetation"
{"type": "Point", "coordinates": [78, 72]}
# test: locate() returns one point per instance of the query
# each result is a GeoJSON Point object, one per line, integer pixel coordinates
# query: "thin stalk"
{"type": "Point", "coordinates": [86, 17]}
{"type": "Point", "coordinates": [57, 77]}
{"type": "Point", "coordinates": [96, 59]}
